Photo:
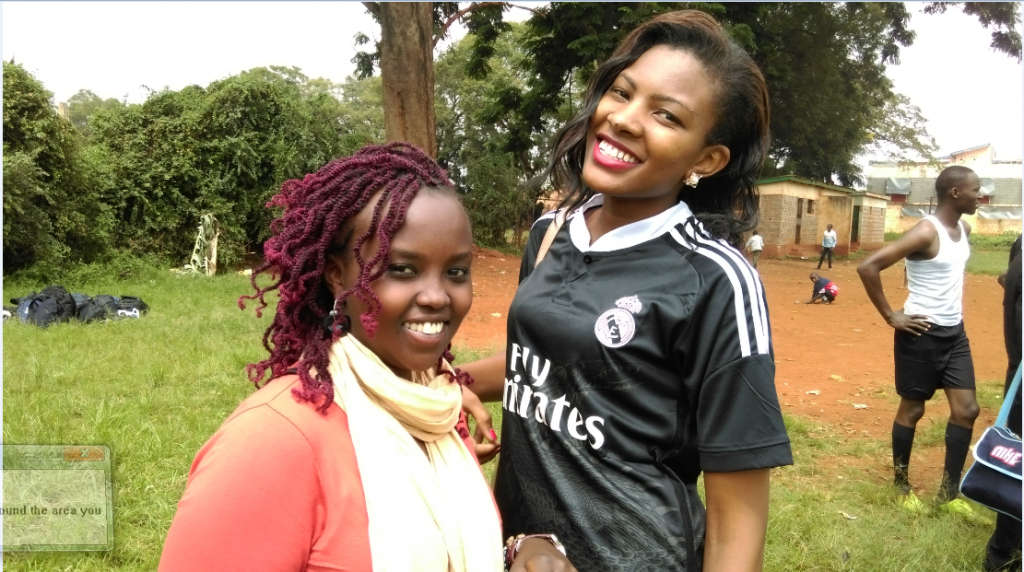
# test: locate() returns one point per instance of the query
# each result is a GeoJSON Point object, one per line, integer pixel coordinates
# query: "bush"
{"type": "Point", "coordinates": [144, 176]}
{"type": "Point", "coordinates": [114, 266]}
{"type": "Point", "coordinates": [53, 211]}
{"type": "Point", "coordinates": [998, 242]}
{"type": "Point", "coordinates": [1001, 242]}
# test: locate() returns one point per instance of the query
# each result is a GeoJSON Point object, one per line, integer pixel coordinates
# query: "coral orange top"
{"type": "Point", "coordinates": [276, 489]}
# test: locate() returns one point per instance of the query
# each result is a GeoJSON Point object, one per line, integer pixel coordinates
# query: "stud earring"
{"type": "Point", "coordinates": [341, 327]}
{"type": "Point", "coordinates": [692, 180]}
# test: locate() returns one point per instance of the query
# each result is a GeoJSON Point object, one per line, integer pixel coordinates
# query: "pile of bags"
{"type": "Point", "coordinates": [54, 304]}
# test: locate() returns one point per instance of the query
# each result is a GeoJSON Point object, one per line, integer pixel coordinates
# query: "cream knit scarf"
{"type": "Point", "coordinates": [427, 513]}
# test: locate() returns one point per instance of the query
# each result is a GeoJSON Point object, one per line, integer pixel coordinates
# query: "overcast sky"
{"type": "Point", "coordinates": [970, 94]}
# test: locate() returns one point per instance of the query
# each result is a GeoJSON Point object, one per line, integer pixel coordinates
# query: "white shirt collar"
{"type": "Point", "coordinates": [625, 236]}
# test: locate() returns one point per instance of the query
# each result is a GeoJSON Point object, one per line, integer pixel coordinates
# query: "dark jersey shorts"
{"type": "Point", "coordinates": [938, 358]}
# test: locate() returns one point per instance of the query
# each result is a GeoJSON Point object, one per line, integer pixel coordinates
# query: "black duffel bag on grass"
{"type": "Point", "coordinates": [131, 307]}
{"type": "Point", "coordinates": [102, 307]}
{"type": "Point", "coordinates": [54, 304]}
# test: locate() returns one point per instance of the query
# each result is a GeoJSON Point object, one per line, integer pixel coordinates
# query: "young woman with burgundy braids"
{"type": "Point", "coordinates": [352, 456]}
{"type": "Point", "coordinates": [639, 351]}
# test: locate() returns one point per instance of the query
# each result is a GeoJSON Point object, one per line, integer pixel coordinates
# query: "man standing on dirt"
{"type": "Point", "coordinates": [828, 242]}
{"type": "Point", "coordinates": [755, 244]}
{"type": "Point", "coordinates": [931, 346]}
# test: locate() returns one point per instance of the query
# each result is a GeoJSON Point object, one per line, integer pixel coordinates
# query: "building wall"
{"type": "Point", "coordinates": [779, 216]}
{"type": "Point", "coordinates": [997, 170]}
{"type": "Point", "coordinates": [778, 205]}
{"type": "Point", "coordinates": [872, 227]}
{"type": "Point", "coordinates": [901, 224]}
{"type": "Point", "coordinates": [872, 222]}
{"type": "Point", "coordinates": [778, 222]}
{"type": "Point", "coordinates": [809, 225]}
{"type": "Point", "coordinates": [983, 155]}
{"type": "Point", "coordinates": [895, 222]}
{"type": "Point", "coordinates": [995, 226]}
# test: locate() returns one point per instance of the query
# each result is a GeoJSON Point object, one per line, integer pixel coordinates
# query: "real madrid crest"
{"type": "Point", "coordinates": [616, 327]}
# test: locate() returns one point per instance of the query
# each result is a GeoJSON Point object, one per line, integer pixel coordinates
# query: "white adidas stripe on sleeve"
{"type": "Point", "coordinates": [760, 316]}
{"type": "Point", "coordinates": [757, 317]}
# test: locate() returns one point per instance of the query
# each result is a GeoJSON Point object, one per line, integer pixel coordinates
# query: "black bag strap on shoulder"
{"type": "Point", "coordinates": [1004, 411]}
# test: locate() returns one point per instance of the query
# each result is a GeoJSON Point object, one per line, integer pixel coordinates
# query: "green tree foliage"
{"type": "Point", "coordinates": [135, 179]}
{"type": "Point", "coordinates": [224, 150]}
{"type": "Point", "coordinates": [827, 83]}
{"type": "Point", "coordinates": [53, 211]}
{"type": "Point", "coordinates": [501, 187]}
{"type": "Point", "coordinates": [84, 105]}
{"type": "Point", "coordinates": [362, 116]}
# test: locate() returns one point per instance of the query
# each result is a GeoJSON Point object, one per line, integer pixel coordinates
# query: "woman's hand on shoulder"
{"type": "Point", "coordinates": [539, 555]}
{"type": "Point", "coordinates": [485, 440]}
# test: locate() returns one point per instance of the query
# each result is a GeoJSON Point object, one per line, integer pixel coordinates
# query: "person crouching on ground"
{"type": "Point", "coordinates": [824, 290]}
{"type": "Point", "coordinates": [350, 457]}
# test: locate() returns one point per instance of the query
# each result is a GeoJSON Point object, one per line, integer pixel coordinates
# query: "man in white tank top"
{"type": "Point", "coordinates": [930, 344]}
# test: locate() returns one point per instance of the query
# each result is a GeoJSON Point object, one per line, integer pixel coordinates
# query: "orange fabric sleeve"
{"type": "Point", "coordinates": [253, 500]}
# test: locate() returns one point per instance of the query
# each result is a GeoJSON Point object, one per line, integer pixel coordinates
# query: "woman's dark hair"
{"type": "Point", "coordinates": [312, 227]}
{"type": "Point", "coordinates": [725, 203]}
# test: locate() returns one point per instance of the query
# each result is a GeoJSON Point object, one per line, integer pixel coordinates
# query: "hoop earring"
{"type": "Point", "coordinates": [341, 327]}
{"type": "Point", "coordinates": [692, 180]}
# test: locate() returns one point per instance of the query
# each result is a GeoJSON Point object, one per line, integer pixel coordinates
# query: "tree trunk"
{"type": "Point", "coordinates": [407, 72]}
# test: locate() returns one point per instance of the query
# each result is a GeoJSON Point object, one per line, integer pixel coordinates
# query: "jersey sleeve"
{"type": "Point", "coordinates": [728, 369]}
{"type": "Point", "coordinates": [257, 478]}
{"type": "Point", "coordinates": [739, 421]}
{"type": "Point", "coordinates": [533, 245]}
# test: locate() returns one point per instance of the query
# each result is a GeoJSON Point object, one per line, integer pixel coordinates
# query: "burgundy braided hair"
{"type": "Point", "coordinates": [315, 210]}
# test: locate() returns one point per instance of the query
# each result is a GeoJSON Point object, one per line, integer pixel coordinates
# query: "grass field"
{"type": "Point", "coordinates": [155, 389]}
{"type": "Point", "coordinates": [988, 262]}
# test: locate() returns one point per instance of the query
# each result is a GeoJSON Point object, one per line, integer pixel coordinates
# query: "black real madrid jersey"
{"type": "Point", "coordinates": [633, 364]}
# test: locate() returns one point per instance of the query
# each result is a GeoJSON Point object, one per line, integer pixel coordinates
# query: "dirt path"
{"type": "Point", "coordinates": [842, 351]}
{"type": "Point", "coordinates": [495, 277]}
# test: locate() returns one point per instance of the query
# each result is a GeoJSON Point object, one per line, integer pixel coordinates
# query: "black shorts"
{"type": "Point", "coordinates": [938, 358]}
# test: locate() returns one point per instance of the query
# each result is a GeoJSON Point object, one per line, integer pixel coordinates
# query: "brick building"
{"type": "Point", "coordinates": [795, 213]}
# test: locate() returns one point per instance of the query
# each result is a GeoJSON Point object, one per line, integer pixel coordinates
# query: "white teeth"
{"type": "Point", "coordinates": [608, 150]}
{"type": "Point", "coordinates": [424, 327]}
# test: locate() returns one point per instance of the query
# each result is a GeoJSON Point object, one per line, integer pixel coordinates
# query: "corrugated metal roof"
{"type": "Point", "coordinates": [1006, 192]}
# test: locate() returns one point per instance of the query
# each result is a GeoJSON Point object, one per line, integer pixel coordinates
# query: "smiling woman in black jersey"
{"type": "Point", "coordinates": [639, 350]}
